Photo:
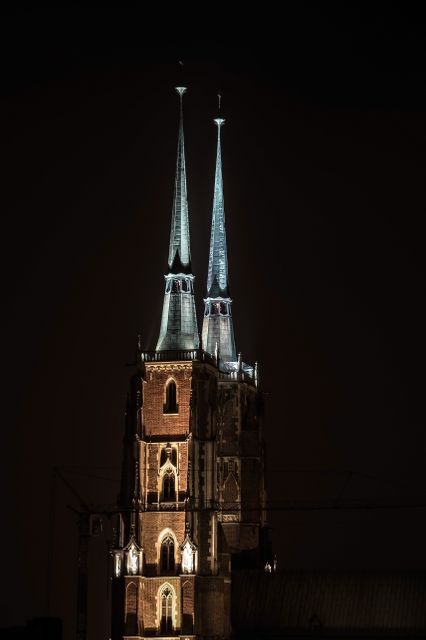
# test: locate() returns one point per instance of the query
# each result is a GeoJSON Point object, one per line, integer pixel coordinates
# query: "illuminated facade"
{"type": "Point", "coordinates": [192, 492]}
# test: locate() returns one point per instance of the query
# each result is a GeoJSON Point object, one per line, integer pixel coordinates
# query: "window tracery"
{"type": "Point", "coordinates": [167, 605]}
{"type": "Point", "coordinates": [168, 492]}
{"type": "Point", "coordinates": [167, 555]}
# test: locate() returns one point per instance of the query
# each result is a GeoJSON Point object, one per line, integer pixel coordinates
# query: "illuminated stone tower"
{"type": "Point", "coordinates": [239, 445]}
{"type": "Point", "coordinates": [191, 503]}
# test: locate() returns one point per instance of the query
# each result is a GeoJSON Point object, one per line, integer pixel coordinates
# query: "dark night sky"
{"type": "Point", "coordinates": [324, 163]}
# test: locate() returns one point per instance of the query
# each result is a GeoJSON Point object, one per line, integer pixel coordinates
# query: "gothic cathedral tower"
{"type": "Point", "coordinates": [192, 499]}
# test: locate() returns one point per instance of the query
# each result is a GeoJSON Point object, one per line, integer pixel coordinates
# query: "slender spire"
{"type": "Point", "coordinates": [218, 331]}
{"type": "Point", "coordinates": [217, 279]}
{"type": "Point", "coordinates": [179, 251]}
{"type": "Point", "coordinates": [179, 321]}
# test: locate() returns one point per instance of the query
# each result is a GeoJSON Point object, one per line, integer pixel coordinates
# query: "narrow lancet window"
{"type": "Point", "coordinates": [166, 611]}
{"type": "Point", "coordinates": [169, 490]}
{"type": "Point", "coordinates": [170, 405]}
{"type": "Point", "coordinates": [167, 555]}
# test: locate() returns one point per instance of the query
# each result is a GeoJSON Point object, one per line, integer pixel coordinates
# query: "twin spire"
{"type": "Point", "coordinates": [179, 250]}
{"type": "Point", "coordinates": [179, 322]}
{"type": "Point", "coordinates": [218, 330]}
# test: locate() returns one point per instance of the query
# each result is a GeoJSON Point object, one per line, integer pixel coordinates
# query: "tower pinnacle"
{"type": "Point", "coordinates": [217, 325]}
{"type": "Point", "coordinates": [179, 321]}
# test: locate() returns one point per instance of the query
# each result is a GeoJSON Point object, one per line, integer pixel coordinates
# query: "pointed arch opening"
{"type": "Point", "coordinates": [167, 555]}
{"type": "Point", "coordinates": [170, 404]}
{"type": "Point", "coordinates": [131, 622]}
{"type": "Point", "coordinates": [230, 491]}
{"type": "Point", "coordinates": [166, 609]}
{"type": "Point", "coordinates": [187, 608]}
{"type": "Point", "coordinates": [168, 489]}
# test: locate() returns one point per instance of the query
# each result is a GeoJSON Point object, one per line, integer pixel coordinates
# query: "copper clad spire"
{"type": "Point", "coordinates": [218, 331]}
{"type": "Point", "coordinates": [179, 321]}
{"type": "Point", "coordinates": [179, 251]}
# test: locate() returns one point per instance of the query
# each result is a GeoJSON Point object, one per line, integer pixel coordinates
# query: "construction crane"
{"type": "Point", "coordinates": [89, 525]}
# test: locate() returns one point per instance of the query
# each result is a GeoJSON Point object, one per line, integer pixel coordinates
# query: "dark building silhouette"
{"type": "Point", "coordinates": [35, 629]}
{"type": "Point", "coordinates": [336, 604]}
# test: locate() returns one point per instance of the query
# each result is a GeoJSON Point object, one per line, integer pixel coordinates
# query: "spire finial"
{"type": "Point", "coordinates": [219, 121]}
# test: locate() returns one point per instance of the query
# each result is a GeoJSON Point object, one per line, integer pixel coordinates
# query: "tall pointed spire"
{"type": "Point", "coordinates": [218, 331]}
{"type": "Point", "coordinates": [179, 321]}
{"type": "Point", "coordinates": [179, 251]}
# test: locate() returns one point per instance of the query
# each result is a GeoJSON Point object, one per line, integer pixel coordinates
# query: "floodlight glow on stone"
{"type": "Point", "coordinates": [188, 558]}
{"type": "Point", "coordinates": [132, 560]}
{"type": "Point", "coordinates": [179, 328]}
{"type": "Point", "coordinates": [217, 324]}
{"type": "Point", "coordinates": [117, 564]}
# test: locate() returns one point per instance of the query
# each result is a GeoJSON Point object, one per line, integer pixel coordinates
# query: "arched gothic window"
{"type": "Point", "coordinates": [170, 405]}
{"type": "Point", "coordinates": [167, 555]}
{"type": "Point", "coordinates": [169, 489]}
{"type": "Point", "coordinates": [166, 625]}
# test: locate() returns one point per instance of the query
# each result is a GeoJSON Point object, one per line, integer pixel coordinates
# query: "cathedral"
{"type": "Point", "coordinates": [192, 497]}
